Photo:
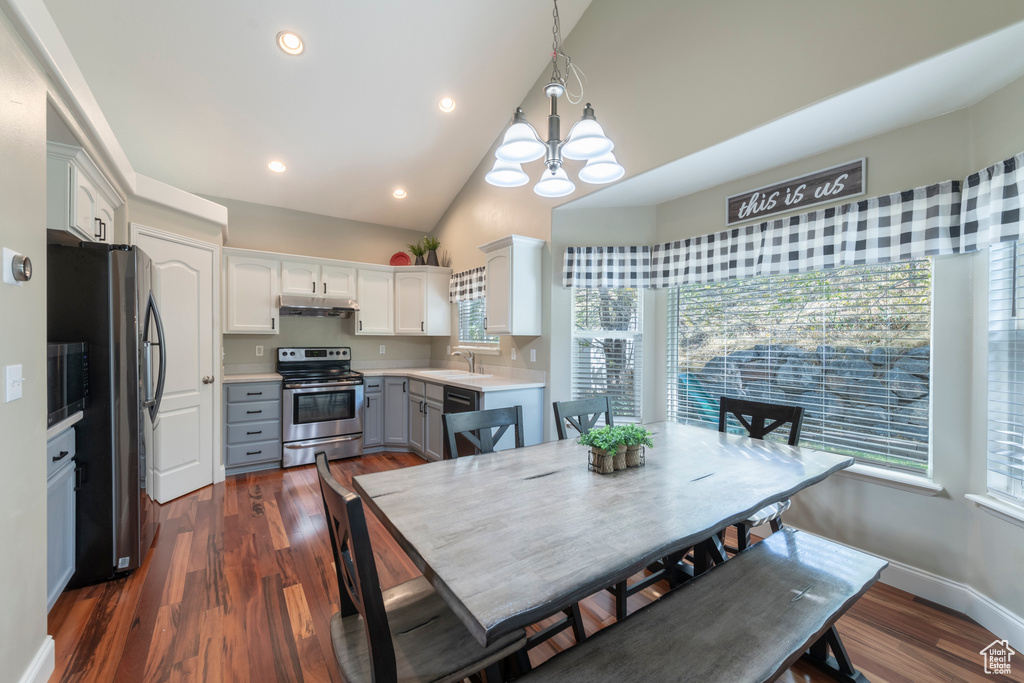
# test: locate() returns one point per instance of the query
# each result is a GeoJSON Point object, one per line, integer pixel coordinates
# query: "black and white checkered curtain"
{"type": "Point", "coordinates": [607, 267]}
{"type": "Point", "coordinates": [992, 205]}
{"type": "Point", "coordinates": [468, 285]}
{"type": "Point", "coordinates": [724, 255]}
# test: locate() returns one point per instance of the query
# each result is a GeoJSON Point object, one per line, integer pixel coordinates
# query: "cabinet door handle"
{"type": "Point", "coordinates": [103, 227]}
{"type": "Point", "coordinates": [63, 454]}
{"type": "Point", "coordinates": [360, 325]}
{"type": "Point", "coordinates": [254, 393]}
{"type": "Point", "coordinates": [253, 412]}
{"type": "Point", "coordinates": [485, 322]}
{"type": "Point", "coordinates": [252, 433]}
{"type": "Point", "coordinates": [314, 288]}
{"type": "Point", "coordinates": [325, 288]}
{"type": "Point", "coordinates": [272, 323]}
{"type": "Point", "coordinates": [367, 401]}
{"type": "Point", "coordinates": [403, 387]}
{"type": "Point", "coordinates": [254, 452]}
{"type": "Point", "coordinates": [99, 228]}
{"type": "Point", "coordinates": [421, 327]}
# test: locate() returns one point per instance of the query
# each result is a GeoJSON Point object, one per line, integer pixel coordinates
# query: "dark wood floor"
{"type": "Point", "coordinates": [240, 586]}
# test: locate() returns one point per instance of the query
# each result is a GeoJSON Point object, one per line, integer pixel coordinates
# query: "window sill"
{"type": "Point", "coordinates": [1008, 512]}
{"type": "Point", "coordinates": [479, 350]}
{"type": "Point", "coordinates": [912, 483]}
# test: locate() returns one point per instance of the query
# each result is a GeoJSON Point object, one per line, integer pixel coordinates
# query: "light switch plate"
{"type": "Point", "coordinates": [533, 355]}
{"type": "Point", "coordinates": [13, 381]}
{"type": "Point", "coordinates": [513, 353]}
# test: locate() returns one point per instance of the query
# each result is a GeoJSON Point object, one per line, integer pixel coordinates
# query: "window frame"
{"type": "Point", "coordinates": [488, 344]}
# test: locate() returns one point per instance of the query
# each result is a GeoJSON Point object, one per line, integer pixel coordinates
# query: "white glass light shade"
{"type": "Point", "coordinates": [520, 145]}
{"type": "Point", "coordinates": [506, 174]}
{"type": "Point", "coordinates": [555, 184]}
{"type": "Point", "coordinates": [602, 169]}
{"type": "Point", "coordinates": [586, 140]}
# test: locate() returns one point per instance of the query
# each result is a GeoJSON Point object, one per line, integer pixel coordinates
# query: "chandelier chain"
{"type": "Point", "coordinates": [570, 69]}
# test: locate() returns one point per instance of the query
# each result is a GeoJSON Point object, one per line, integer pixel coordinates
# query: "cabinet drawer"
{"type": "Point", "coordinates": [59, 451]}
{"type": "Point", "coordinates": [256, 411]}
{"type": "Point", "coordinates": [416, 387]}
{"type": "Point", "coordinates": [251, 453]}
{"type": "Point", "coordinates": [373, 385]}
{"type": "Point", "coordinates": [435, 392]}
{"type": "Point", "coordinates": [253, 431]}
{"type": "Point", "coordinates": [261, 391]}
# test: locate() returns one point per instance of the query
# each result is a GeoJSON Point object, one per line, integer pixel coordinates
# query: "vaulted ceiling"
{"type": "Point", "coordinates": [199, 95]}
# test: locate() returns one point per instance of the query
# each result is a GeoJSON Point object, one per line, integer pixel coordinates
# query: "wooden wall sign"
{"type": "Point", "coordinates": [838, 182]}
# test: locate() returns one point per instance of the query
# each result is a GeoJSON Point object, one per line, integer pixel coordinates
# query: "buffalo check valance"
{"type": "Point", "coordinates": [468, 285]}
{"type": "Point", "coordinates": [607, 267]}
{"type": "Point", "coordinates": [992, 205]}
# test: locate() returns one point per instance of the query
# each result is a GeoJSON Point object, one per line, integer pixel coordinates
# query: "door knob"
{"type": "Point", "coordinates": [208, 380]}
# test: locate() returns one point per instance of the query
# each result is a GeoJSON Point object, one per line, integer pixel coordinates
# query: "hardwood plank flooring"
{"type": "Point", "coordinates": [240, 586]}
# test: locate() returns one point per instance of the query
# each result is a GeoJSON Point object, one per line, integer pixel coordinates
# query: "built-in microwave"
{"type": "Point", "coordinates": [67, 380]}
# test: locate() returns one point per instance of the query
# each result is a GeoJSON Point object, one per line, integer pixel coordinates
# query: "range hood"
{"type": "Point", "coordinates": [316, 307]}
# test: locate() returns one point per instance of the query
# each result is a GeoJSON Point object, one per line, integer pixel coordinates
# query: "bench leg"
{"type": "Point", "coordinates": [838, 666]}
{"type": "Point", "coordinates": [577, 622]}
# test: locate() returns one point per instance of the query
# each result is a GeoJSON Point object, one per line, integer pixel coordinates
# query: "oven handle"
{"type": "Point", "coordinates": [298, 445]}
{"type": "Point", "coordinates": [321, 386]}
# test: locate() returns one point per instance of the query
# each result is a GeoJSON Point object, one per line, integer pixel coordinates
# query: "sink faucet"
{"type": "Point", "coordinates": [468, 355]}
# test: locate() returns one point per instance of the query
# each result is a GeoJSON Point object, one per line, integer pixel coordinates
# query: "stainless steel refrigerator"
{"type": "Point", "coordinates": [102, 294]}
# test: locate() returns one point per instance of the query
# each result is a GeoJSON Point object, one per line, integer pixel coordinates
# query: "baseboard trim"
{"type": "Point", "coordinates": [954, 595]}
{"type": "Point", "coordinates": [42, 664]}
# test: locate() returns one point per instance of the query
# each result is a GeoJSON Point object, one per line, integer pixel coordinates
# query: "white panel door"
{"type": "Point", "coordinates": [184, 439]}
{"type": "Point", "coordinates": [251, 295]}
{"type": "Point", "coordinates": [499, 292]}
{"type": "Point", "coordinates": [300, 278]}
{"type": "Point", "coordinates": [410, 303]}
{"type": "Point", "coordinates": [376, 302]}
{"type": "Point", "coordinates": [338, 282]}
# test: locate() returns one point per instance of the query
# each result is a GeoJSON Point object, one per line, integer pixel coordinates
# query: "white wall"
{"type": "Point", "coordinates": [23, 341]}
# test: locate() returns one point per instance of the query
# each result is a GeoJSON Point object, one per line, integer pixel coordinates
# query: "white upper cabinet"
{"type": "Point", "coordinates": [376, 301]}
{"type": "Point", "coordinates": [315, 278]}
{"type": "Point", "coordinates": [79, 199]}
{"type": "Point", "coordinates": [421, 303]}
{"type": "Point", "coordinates": [513, 267]}
{"type": "Point", "coordinates": [252, 286]}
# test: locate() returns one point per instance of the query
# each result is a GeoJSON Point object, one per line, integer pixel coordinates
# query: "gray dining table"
{"type": "Point", "coordinates": [512, 537]}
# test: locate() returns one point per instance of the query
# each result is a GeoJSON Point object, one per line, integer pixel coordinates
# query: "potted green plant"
{"type": "Point", "coordinates": [635, 437]}
{"type": "Point", "coordinates": [417, 250]}
{"type": "Point", "coordinates": [606, 447]}
{"type": "Point", "coordinates": [430, 244]}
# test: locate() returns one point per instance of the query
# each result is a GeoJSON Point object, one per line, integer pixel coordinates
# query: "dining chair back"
{"type": "Point", "coordinates": [582, 414]}
{"type": "Point", "coordinates": [358, 584]}
{"type": "Point", "coordinates": [483, 428]}
{"type": "Point", "coordinates": [760, 419]}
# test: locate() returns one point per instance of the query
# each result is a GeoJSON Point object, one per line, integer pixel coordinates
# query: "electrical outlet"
{"type": "Point", "coordinates": [259, 350]}
{"type": "Point", "coordinates": [513, 353]}
{"type": "Point", "coordinates": [382, 349]}
{"type": "Point", "coordinates": [533, 355]}
{"type": "Point", "coordinates": [13, 382]}
{"type": "Point", "coordinates": [449, 349]}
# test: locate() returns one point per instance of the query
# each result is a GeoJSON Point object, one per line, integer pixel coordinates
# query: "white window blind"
{"type": "Point", "coordinates": [471, 324]}
{"type": "Point", "coordinates": [1006, 372]}
{"type": "Point", "coordinates": [606, 348]}
{"type": "Point", "coordinates": [850, 345]}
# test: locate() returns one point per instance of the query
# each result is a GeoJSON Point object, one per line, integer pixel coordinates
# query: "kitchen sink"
{"type": "Point", "coordinates": [452, 374]}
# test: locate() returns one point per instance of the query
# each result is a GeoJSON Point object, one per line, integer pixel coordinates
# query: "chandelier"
{"type": "Point", "coordinates": [586, 140]}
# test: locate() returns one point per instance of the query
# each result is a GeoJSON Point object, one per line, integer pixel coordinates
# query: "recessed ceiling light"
{"type": "Point", "coordinates": [446, 104]}
{"type": "Point", "coordinates": [399, 193]}
{"type": "Point", "coordinates": [289, 42]}
{"type": "Point", "coordinates": [276, 166]}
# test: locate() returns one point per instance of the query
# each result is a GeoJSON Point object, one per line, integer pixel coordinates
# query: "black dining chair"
{"type": "Point", "coordinates": [760, 419]}
{"type": "Point", "coordinates": [405, 633]}
{"type": "Point", "coordinates": [582, 414]}
{"type": "Point", "coordinates": [483, 428]}
{"type": "Point", "coordinates": [477, 426]}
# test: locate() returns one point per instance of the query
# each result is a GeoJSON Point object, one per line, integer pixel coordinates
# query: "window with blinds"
{"type": "Point", "coordinates": [850, 345]}
{"type": "Point", "coordinates": [606, 348]}
{"type": "Point", "coordinates": [1006, 372]}
{"type": "Point", "coordinates": [471, 324]}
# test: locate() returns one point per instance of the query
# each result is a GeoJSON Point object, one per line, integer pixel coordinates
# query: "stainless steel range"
{"type": "Point", "coordinates": [322, 404]}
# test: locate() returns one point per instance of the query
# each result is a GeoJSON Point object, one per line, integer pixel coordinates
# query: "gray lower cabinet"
{"type": "Point", "coordinates": [433, 440]}
{"type": "Point", "coordinates": [60, 514]}
{"type": "Point", "coordinates": [426, 433]}
{"type": "Point", "coordinates": [252, 431]}
{"type": "Point", "coordinates": [373, 412]}
{"type": "Point", "coordinates": [396, 411]}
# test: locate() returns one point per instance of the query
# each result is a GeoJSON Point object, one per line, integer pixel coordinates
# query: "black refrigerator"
{"type": "Point", "coordinates": [102, 294]}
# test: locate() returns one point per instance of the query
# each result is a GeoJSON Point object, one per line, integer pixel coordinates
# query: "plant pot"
{"type": "Point", "coordinates": [634, 456]}
{"type": "Point", "coordinates": [619, 461]}
{"type": "Point", "coordinates": [419, 260]}
{"type": "Point", "coordinates": [432, 258]}
{"type": "Point", "coordinates": [601, 461]}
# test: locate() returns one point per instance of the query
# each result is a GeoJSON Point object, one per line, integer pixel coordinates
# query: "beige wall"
{"type": "Point", "coordinates": [158, 216]}
{"type": "Point", "coordinates": [23, 341]}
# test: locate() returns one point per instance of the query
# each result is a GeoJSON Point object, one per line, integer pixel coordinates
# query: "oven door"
{"type": "Point", "coordinates": [314, 411]}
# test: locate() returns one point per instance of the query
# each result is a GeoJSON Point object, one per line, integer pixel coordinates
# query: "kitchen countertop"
{"type": "Point", "coordinates": [252, 377]}
{"type": "Point", "coordinates": [484, 383]}
{"type": "Point", "coordinates": [487, 383]}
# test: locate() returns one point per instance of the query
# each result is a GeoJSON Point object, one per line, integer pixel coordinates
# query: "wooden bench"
{"type": "Point", "coordinates": [748, 619]}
